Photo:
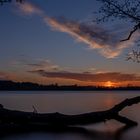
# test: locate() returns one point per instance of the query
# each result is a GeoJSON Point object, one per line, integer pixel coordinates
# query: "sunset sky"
{"type": "Point", "coordinates": [51, 41]}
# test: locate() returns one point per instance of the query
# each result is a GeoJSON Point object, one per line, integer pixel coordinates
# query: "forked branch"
{"type": "Point", "coordinates": [136, 27]}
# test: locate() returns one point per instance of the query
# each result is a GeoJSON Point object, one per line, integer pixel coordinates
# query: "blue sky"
{"type": "Point", "coordinates": [27, 39]}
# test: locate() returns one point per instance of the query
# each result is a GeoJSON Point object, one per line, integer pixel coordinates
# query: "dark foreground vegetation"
{"type": "Point", "coordinates": [10, 85]}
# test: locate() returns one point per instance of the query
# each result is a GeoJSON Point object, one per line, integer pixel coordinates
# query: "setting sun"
{"type": "Point", "coordinates": [108, 84]}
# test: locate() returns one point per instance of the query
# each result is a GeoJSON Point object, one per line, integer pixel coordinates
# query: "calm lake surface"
{"type": "Point", "coordinates": [74, 103]}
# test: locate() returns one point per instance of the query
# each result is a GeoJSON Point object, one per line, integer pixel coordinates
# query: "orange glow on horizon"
{"type": "Point", "coordinates": [109, 84]}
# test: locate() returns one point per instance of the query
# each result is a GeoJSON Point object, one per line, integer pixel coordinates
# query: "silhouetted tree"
{"type": "Point", "coordinates": [127, 10]}
{"type": "Point", "coordinates": [122, 10]}
{"type": "Point", "coordinates": [7, 1]}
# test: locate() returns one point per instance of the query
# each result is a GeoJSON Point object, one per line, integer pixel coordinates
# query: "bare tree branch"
{"type": "Point", "coordinates": [134, 56]}
{"type": "Point", "coordinates": [8, 1]}
{"type": "Point", "coordinates": [59, 120]}
{"type": "Point", "coordinates": [132, 32]}
{"type": "Point", "coordinates": [121, 10]}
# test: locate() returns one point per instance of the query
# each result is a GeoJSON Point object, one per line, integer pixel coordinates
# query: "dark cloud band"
{"type": "Point", "coordinates": [98, 77]}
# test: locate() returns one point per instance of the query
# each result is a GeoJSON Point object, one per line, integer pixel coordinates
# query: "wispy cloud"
{"type": "Point", "coordinates": [29, 8]}
{"type": "Point", "coordinates": [88, 77]}
{"type": "Point", "coordinates": [96, 37]}
{"type": "Point", "coordinates": [43, 64]}
{"type": "Point", "coordinates": [106, 42]}
{"type": "Point", "coordinates": [35, 64]}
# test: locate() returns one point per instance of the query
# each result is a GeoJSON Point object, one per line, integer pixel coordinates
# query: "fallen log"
{"type": "Point", "coordinates": [13, 117]}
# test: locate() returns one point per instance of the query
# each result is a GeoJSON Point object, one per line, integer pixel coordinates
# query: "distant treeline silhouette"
{"type": "Point", "coordinates": [10, 85]}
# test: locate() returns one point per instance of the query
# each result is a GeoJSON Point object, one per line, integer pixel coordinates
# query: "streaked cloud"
{"type": "Point", "coordinates": [96, 37]}
{"type": "Point", "coordinates": [43, 64]}
{"type": "Point", "coordinates": [29, 8]}
{"type": "Point", "coordinates": [35, 64]}
{"type": "Point", "coordinates": [88, 77]}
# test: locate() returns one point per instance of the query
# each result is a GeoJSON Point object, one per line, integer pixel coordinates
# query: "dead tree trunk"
{"type": "Point", "coordinates": [59, 120]}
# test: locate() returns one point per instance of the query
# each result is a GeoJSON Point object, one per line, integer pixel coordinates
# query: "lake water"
{"type": "Point", "coordinates": [74, 103]}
